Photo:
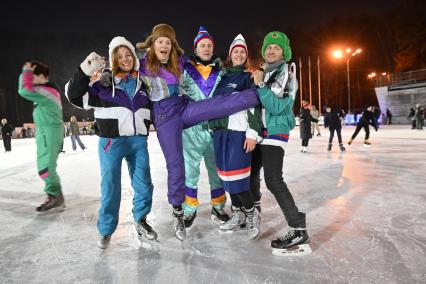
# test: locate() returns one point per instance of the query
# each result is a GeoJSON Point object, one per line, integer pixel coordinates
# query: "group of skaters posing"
{"type": "Point", "coordinates": [237, 121]}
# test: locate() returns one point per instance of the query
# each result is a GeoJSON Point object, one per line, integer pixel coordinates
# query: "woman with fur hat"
{"type": "Point", "coordinates": [200, 77]}
{"type": "Point", "coordinates": [277, 86]}
{"type": "Point", "coordinates": [162, 68]}
{"type": "Point", "coordinates": [122, 113]}
{"type": "Point", "coordinates": [235, 138]}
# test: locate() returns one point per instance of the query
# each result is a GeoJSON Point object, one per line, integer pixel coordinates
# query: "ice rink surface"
{"type": "Point", "coordinates": [366, 214]}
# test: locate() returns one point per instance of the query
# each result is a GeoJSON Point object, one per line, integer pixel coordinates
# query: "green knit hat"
{"type": "Point", "coordinates": [279, 39]}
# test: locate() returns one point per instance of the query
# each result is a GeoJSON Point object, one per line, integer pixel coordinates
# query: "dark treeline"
{"type": "Point", "coordinates": [394, 43]}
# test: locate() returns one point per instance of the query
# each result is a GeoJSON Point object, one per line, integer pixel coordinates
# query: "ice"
{"type": "Point", "coordinates": [365, 210]}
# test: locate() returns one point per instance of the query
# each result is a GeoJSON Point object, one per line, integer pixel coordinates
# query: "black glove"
{"type": "Point", "coordinates": [106, 78]}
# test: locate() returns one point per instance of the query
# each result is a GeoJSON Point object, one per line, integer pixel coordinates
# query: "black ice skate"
{"type": "Point", "coordinates": [367, 143]}
{"type": "Point", "coordinates": [103, 242]}
{"type": "Point", "coordinates": [52, 204]}
{"type": "Point", "coordinates": [219, 216]}
{"type": "Point", "coordinates": [342, 148]}
{"type": "Point", "coordinates": [329, 147]}
{"type": "Point", "coordinates": [179, 224]}
{"type": "Point", "coordinates": [296, 242]}
{"type": "Point", "coordinates": [189, 219]}
{"type": "Point", "coordinates": [145, 231]}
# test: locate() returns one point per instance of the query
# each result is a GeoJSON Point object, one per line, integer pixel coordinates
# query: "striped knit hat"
{"type": "Point", "coordinates": [202, 34]}
{"type": "Point", "coordinates": [239, 41]}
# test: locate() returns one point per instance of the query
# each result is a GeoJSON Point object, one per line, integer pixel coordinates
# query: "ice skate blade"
{"type": "Point", "coordinates": [52, 211]}
{"type": "Point", "coordinates": [294, 251]}
{"type": "Point", "coordinates": [239, 228]}
{"type": "Point", "coordinates": [216, 220]}
{"type": "Point", "coordinates": [146, 238]}
{"type": "Point", "coordinates": [365, 145]}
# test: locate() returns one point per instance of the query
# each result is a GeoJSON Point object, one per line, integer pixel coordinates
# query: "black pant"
{"type": "Point", "coordinates": [272, 159]}
{"type": "Point", "coordinates": [305, 142]}
{"type": "Point", "coordinates": [7, 143]}
{"type": "Point", "coordinates": [339, 135]}
{"type": "Point", "coordinates": [358, 128]}
{"type": "Point", "coordinates": [254, 181]}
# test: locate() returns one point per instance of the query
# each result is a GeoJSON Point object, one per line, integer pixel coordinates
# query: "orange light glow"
{"type": "Point", "coordinates": [337, 53]}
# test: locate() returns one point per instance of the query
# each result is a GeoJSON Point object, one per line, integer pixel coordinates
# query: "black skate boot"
{"type": "Point", "coordinates": [103, 242]}
{"type": "Point", "coordinates": [342, 148]}
{"type": "Point", "coordinates": [329, 147]}
{"type": "Point", "coordinates": [189, 219]}
{"type": "Point", "coordinates": [296, 242]}
{"type": "Point", "coordinates": [219, 216]}
{"type": "Point", "coordinates": [145, 231]}
{"type": "Point", "coordinates": [179, 224]}
{"type": "Point", "coordinates": [52, 204]}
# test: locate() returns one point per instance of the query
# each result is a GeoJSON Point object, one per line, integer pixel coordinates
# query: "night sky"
{"type": "Point", "coordinates": [50, 30]}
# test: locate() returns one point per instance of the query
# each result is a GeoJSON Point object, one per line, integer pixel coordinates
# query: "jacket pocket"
{"type": "Point", "coordinates": [108, 127]}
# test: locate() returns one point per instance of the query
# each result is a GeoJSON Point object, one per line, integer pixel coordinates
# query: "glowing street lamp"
{"type": "Point", "coordinates": [339, 54]}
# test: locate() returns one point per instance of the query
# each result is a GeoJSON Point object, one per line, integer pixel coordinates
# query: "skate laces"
{"type": "Point", "coordinates": [250, 217]}
{"type": "Point", "coordinates": [180, 221]}
{"type": "Point", "coordinates": [289, 235]}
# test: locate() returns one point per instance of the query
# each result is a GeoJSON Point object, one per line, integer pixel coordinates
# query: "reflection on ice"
{"type": "Point", "coordinates": [365, 209]}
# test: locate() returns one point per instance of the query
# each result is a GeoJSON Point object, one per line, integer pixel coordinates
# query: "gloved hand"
{"type": "Point", "coordinates": [106, 77]}
{"type": "Point", "coordinates": [92, 63]}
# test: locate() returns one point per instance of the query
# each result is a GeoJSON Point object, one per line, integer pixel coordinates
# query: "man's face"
{"type": "Point", "coordinates": [273, 53]}
{"type": "Point", "coordinates": [204, 49]}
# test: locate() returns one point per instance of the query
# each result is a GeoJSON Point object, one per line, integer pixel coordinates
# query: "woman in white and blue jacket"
{"type": "Point", "coordinates": [123, 116]}
{"type": "Point", "coordinates": [235, 138]}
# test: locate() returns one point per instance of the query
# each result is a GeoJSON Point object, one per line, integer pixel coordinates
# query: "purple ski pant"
{"type": "Point", "coordinates": [174, 114]}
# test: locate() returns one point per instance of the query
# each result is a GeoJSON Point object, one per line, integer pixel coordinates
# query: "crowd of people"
{"type": "Point", "coordinates": [235, 120]}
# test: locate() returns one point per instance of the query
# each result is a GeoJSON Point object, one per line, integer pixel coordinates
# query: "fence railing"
{"type": "Point", "coordinates": [401, 78]}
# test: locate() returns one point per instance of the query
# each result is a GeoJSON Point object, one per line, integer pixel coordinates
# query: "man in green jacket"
{"type": "Point", "coordinates": [277, 86]}
{"type": "Point", "coordinates": [34, 86]}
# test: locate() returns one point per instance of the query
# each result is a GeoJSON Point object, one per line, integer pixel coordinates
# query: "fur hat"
{"type": "Point", "coordinates": [238, 41]}
{"type": "Point", "coordinates": [161, 30]}
{"type": "Point", "coordinates": [122, 41]}
{"type": "Point", "coordinates": [202, 34]}
{"type": "Point", "coordinates": [279, 39]}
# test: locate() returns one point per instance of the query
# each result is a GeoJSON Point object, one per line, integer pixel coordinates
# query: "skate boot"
{"type": "Point", "coordinates": [296, 242]}
{"type": "Point", "coordinates": [179, 224]}
{"type": "Point", "coordinates": [329, 147]}
{"type": "Point", "coordinates": [145, 231]}
{"type": "Point", "coordinates": [350, 142]}
{"type": "Point", "coordinates": [219, 216]}
{"type": "Point", "coordinates": [319, 134]}
{"type": "Point", "coordinates": [103, 242]}
{"type": "Point", "coordinates": [252, 223]}
{"type": "Point", "coordinates": [52, 204]}
{"type": "Point", "coordinates": [342, 148]}
{"type": "Point", "coordinates": [237, 221]}
{"type": "Point", "coordinates": [189, 219]}
{"type": "Point", "coordinates": [367, 143]}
